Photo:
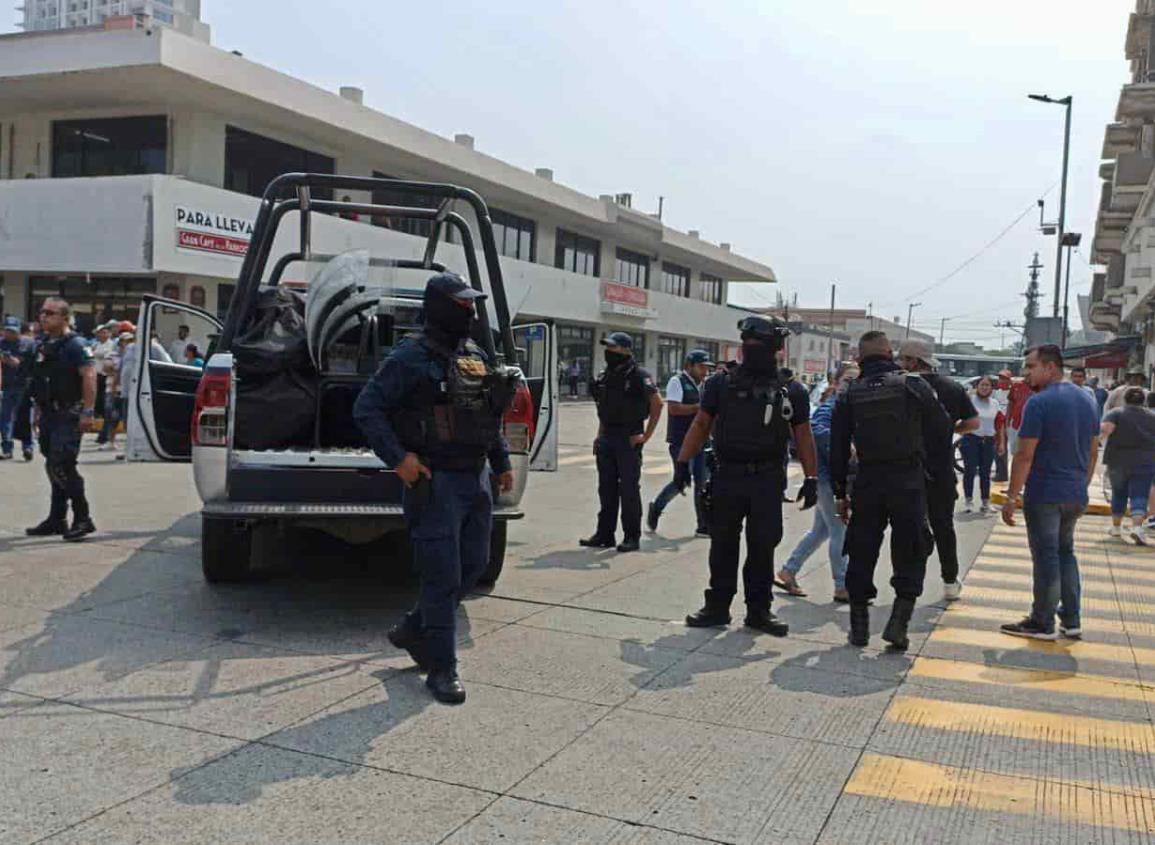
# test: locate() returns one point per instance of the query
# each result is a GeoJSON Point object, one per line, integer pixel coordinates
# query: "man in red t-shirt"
{"type": "Point", "coordinates": [1017, 397]}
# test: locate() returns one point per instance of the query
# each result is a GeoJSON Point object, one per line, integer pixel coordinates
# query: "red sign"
{"type": "Point", "coordinates": [205, 242]}
{"type": "Point", "coordinates": [625, 295]}
{"type": "Point", "coordinates": [1110, 361]}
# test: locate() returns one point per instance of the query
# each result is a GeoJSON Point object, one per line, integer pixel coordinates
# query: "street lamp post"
{"type": "Point", "coordinates": [909, 310]}
{"type": "Point", "coordinates": [1070, 241]}
{"type": "Point", "coordinates": [1066, 101]}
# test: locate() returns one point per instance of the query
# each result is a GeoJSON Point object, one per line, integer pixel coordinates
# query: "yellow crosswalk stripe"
{"type": "Point", "coordinates": [929, 784]}
{"type": "Point", "coordinates": [1016, 723]}
{"type": "Point", "coordinates": [1020, 599]}
{"type": "Point", "coordinates": [1066, 683]}
{"type": "Point", "coordinates": [1071, 648]}
{"type": "Point", "coordinates": [994, 617]}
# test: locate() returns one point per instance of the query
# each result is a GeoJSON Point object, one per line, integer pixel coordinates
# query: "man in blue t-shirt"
{"type": "Point", "coordinates": [1056, 455]}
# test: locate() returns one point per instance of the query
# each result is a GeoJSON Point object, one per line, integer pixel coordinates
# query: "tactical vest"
{"type": "Point", "coordinates": [621, 397]}
{"type": "Point", "coordinates": [454, 423]}
{"type": "Point", "coordinates": [676, 427]}
{"type": "Point", "coordinates": [887, 424]}
{"type": "Point", "coordinates": [56, 384]}
{"type": "Point", "coordinates": [753, 421]}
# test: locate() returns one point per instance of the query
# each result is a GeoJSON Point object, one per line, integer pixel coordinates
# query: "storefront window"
{"type": "Point", "coordinates": [671, 355]}
{"type": "Point", "coordinates": [575, 359]}
{"type": "Point", "coordinates": [408, 225]}
{"type": "Point", "coordinates": [117, 146]}
{"type": "Point", "coordinates": [95, 299]}
{"type": "Point", "coordinates": [253, 161]}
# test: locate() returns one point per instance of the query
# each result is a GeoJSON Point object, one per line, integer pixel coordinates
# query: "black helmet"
{"type": "Point", "coordinates": [767, 329]}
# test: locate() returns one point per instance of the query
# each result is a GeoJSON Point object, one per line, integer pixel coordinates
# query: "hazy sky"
{"type": "Point", "coordinates": [876, 144]}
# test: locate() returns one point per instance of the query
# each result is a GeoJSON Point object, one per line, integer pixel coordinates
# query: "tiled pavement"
{"type": "Point", "coordinates": [139, 705]}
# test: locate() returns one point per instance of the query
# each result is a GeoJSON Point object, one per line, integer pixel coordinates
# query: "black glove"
{"type": "Point", "coordinates": [682, 476]}
{"type": "Point", "coordinates": [808, 493]}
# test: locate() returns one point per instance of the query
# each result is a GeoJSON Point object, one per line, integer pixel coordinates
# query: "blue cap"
{"type": "Point", "coordinates": [698, 356]}
{"type": "Point", "coordinates": [12, 324]}
{"type": "Point", "coordinates": [618, 339]}
{"type": "Point", "coordinates": [453, 285]}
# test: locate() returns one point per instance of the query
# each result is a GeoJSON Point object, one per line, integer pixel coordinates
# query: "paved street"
{"type": "Point", "coordinates": [138, 704]}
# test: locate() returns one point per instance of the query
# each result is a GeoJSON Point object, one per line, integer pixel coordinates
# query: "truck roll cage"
{"type": "Point", "coordinates": [293, 192]}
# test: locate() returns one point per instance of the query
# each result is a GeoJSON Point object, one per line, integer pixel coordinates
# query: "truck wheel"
{"type": "Point", "coordinates": [226, 550]}
{"type": "Point", "coordinates": [496, 554]}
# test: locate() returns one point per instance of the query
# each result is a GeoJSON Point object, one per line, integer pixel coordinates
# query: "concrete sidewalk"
{"type": "Point", "coordinates": [996, 739]}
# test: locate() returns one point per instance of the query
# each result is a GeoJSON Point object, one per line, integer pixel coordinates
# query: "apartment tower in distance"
{"type": "Point", "coordinates": [181, 15]}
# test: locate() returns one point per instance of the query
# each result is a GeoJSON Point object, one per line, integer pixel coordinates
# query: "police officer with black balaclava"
{"type": "Point", "coordinates": [752, 413]}
{"type": "Point", "coordinates": [889, 415]}
{"type": "Point", "coordinates": [629, 408]}
{"type": "Point", "coordinates": [433, 413]}
{"type": "Point", "coordinates": [63, 386]}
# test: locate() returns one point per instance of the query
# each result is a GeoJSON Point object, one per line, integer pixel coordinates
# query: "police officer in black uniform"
{"type": "Point", "coordinates": [752, 413]}
{"type": "Point", "coordinates": [433, 414]}
{"type": "Point", "coordinates": [917, 356]}
{"type": "Point", "coordinates": [889, 415]}
{"type": "Point", "coordinates": [64, 389]}
{"type": "Point", "coordinates": [629, 408]}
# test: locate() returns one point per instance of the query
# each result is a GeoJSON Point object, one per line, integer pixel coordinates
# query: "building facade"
{"type": "Point", "coordinates": [140, 169]}
{"type": "Point", "coordinates": [1122, 299]}
{"type": "Point", "coordinates": [48, 15]}
{"type": "Point", "coordinates": [811, 349]}
{"type": "Point", "coordinates": [852, 322]}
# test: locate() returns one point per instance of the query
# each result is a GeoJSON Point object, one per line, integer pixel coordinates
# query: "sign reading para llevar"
{"type": "Point", "coordinates": [198, 230]}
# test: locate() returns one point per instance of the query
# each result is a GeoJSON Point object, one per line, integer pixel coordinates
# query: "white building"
{"type": "Point", "coordinates": [47, 15]}
{"type": "Point", "coordinates": [811, 349]}
{"type": "Point", "coordinates": [138, 169]}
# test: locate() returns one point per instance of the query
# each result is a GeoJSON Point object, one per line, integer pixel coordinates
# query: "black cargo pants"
{"type": "Point", "coordinates": [881, 498]}
{"type": "Point", "coordinates": [941, 495]}
{"type": "Point", "coordinates": [750, 494]}
{"type": "Point", "coordinates": [60, 445]}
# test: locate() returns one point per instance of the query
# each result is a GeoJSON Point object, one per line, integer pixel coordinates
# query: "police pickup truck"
{"type": "Point", "coordinates": [272, 439]}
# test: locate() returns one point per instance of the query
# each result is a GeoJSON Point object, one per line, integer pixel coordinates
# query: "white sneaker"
{"type": "Point", "coordinates": [952, 590]}
{"type": "Point", "coordinates": [103, 447]}
{"type": "Point", "coordinates": [986, 507]}
{"type": "Point", "coordinates": [969, 506]}
{"type": "Point", "coordinates": [1150, 523]}
{"type": "Point", "coordinates": [1070, 633]}
{"type": "Point", "coordinates": [1139, 535]}
{"type": "Point", "coordinates": [1115, 531]}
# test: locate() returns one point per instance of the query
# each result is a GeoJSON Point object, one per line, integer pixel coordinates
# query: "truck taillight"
{"type": "Point", "coordinates": [210, 420]}
{"type": "Point", "coordinates": [519, 421]}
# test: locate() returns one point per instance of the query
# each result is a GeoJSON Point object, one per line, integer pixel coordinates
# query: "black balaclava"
{"type": "Point", "coordinates": [760, 358]}
{"type": "Point", "coordinates": [616, 359]}
{"type": "Point", "coordinates": [445, 318]}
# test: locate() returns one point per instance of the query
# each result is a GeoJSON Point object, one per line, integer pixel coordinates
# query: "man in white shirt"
{"type": "Point", "coordinates": [1135, 378]}
{"type": "Point", "coordinates": [177, 347]}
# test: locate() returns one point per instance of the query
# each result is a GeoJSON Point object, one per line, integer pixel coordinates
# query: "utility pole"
{"type": "Point", "coordinates": [909, 311]}
{"type": "Point", "coordinates": [870, 314]}
{"type": "Point", "coordinates": [1067, 101]}
{"type": "Point", "coordinates": [941, 330]}
{"type": "Point", "coordinates": [1031, 311]}
{"type": "Point", "coordinates": [830, 333]}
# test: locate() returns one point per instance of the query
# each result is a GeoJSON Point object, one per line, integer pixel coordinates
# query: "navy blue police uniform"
{"type": "Point", "coordinates": [623, 392]}
{"type": "Point", "coordinates": [890, 416]}
{"type": "Point", "coordinates": [438, 396]}
{"type": "Point", "coordinates": [16, 356]}
{"type": "Point", "coordinates": [57, 385]}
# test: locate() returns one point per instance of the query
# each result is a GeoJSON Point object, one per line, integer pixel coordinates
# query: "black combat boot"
{"type": "Point", "coordinates": [763, 620]}
{"type": "Point", "coordinates": [48, 528]}
{"type": "Point", "coordinates": [709, 617]}
{"type": "Point", "coordinates": [405, 638]}
{"type": "Point", "coordinates": [703, 529]}
{"type": "Point", "coordinates": [596, 542]}
{"type": "Point", "coordinates": [445, 685]}
{"type": "Point", "coordinates": [859, 624]}
{"type": "Point", "coordinates": [895, 631]}
{"type": "Point", "coordinates": [81, 528]}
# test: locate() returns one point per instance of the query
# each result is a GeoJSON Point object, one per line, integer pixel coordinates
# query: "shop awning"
{"type": "Point", "coordinates": [1104, 356]}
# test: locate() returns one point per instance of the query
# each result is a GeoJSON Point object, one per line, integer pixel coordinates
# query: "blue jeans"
{"type": "Point", "coordinates": [827, 526]}
{"type": "Point", "coordinates": [1051, 534]}
{"type": "Point", "coordinates": [9, 404]}
{"type": "Point", "coordinates": [978, 455]}
{"type": "Point", "coordinates": [698, 472]}
{"type": "Point", "coordinates": [1132, 484]}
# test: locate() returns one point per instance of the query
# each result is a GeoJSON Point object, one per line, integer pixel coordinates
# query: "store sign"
{"type": "Point", "coordinates": [198, 230]}
{"type": "Point", "coordinates": [626, 300]}
{"type": "Point", "coordinates": [811, 365]}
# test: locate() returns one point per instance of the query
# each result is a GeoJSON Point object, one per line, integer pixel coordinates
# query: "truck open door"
{"type": "Point", "coordinates": [160, 406]}
{"type": "Point", "coordinates": [536, 345]}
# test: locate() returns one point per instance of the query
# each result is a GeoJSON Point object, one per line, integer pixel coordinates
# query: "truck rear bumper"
{"type": "Point", "coordinates": [315, 510]}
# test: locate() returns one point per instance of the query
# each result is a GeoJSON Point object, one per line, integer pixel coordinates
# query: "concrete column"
{"type": "Point", "coordinates": [15, 289]}
{"type": "Point", "coordinates": [545, 245]}
{"type": "Point", "coordinates": [197, 147]}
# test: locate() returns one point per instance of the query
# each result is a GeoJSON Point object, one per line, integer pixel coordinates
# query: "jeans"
{"type": "Point", "coordinates": [10, 401]}
{"type": "Point", "coordinates": [698, 472]}
{"type": "Point", "coordinates": [1132, 484]}
{"type": "Point", "coordinates": [1051, 534]}
{"type": "Point", "coordinates": [978, 455]}
{"type": "Point", "coordinates": [826, 526]}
